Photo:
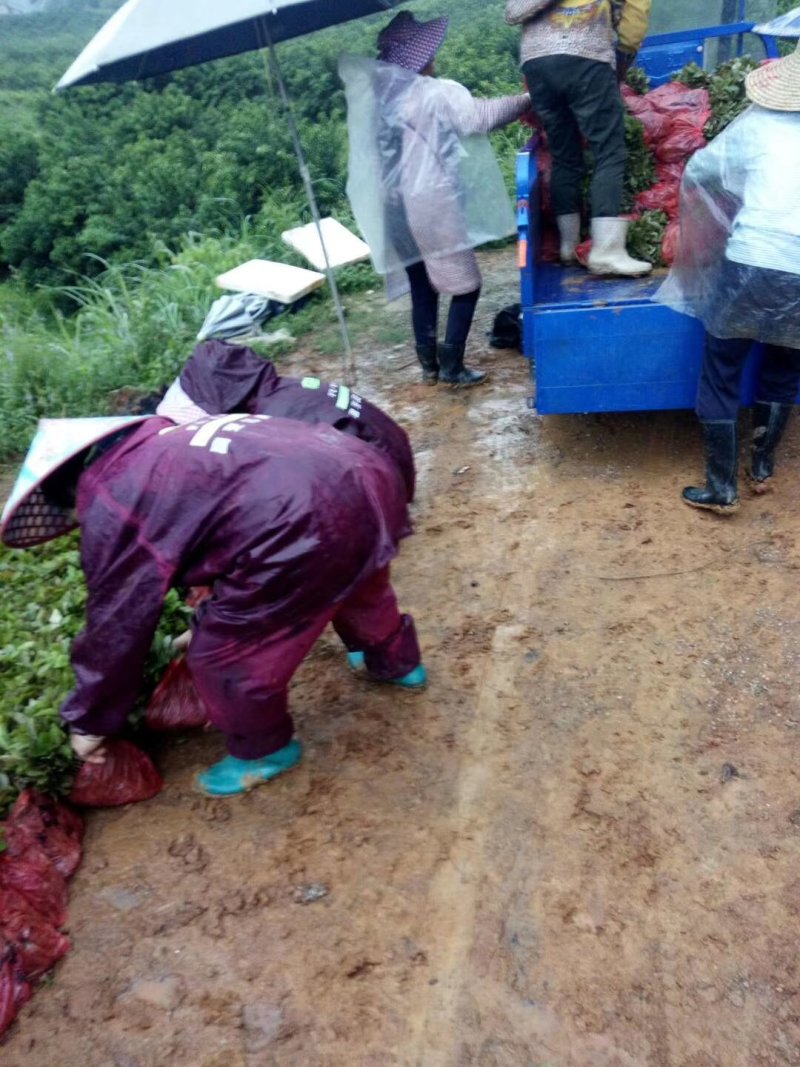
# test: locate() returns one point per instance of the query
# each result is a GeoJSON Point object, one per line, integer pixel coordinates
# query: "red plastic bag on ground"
{"type": "Point", "coordinates": [14, 990]}
{"type": "Point", "coordinates": [664, 196]}
{"type": "Point", "coordinates": [35, 878]}
{"type": "Point", "coordinates": [671, 242]}
{"type": "Point", "coordinates": [175, 703]}
{"type": "Point", "coordinates": [126, 777]}
{"type": "Point", "coordinates": [35, 941]}
{"type": "Point", "coordinates": [39, 823]}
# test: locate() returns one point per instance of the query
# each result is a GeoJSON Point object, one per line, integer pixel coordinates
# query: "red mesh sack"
{"type": "Point", "coordinates": [14, 990]}
{"type": "Point", "coordinates": [664, 196]}
{"type": "Point", "coordinates": [175, 703]}
{"type": "Point", "coordinates": [35, 878]}
{"type": "Point", "coordinates": [680, 144]}
{"type": "Point", "coordinates": [35, 942]}
{"type": "Point", "coordinates": [126, 777]}
{"type": "Point", "coordinates": [39, 823]}
{"type": "Point", "coordinates": [671, 242]}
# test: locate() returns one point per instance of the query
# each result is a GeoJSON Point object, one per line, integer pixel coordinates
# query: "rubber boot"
{"type": "Point", "coordinates": [452, 370]}
{"type": "Point", "coordinates": [569, 229]}
{"type": "Point", "coordinates": [769, 422]}
{"type": "Point", "coordinates": [416, 679]}
{"type": "Point", "coordinates": [722, 460]}
{"type": "Point", "coordinates": [232, 776]}
{"type": "Point", "coordinates": [426, 354]}
{"type": "Point", "coordinates": [609, 255]}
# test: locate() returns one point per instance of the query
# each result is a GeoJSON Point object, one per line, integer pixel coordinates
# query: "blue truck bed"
{"type": "Point", "coordinates": [604, 344]}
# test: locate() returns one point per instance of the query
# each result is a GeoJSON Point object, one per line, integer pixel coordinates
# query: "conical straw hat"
{"type": "Point", "coordinates": [776, 85]}
{"type": "Point", "coordinates": [28, 518]}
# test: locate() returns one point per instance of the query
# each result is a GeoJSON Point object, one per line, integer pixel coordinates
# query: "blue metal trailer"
{"type": "Point", "coordinates": [604, 344]}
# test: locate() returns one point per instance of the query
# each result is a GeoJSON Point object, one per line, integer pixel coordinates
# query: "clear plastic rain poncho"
{"type": "Point", "coordinates": [738, 264]}
{"type": "Point", "coordinates": [422, 183]}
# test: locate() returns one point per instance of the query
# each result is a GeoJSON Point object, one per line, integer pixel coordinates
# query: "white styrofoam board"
{"type": "Point", "coordinates": [276, 281]}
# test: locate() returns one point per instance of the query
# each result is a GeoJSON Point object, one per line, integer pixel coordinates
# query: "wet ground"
{"type": "Point", "coordinates": [578, 848]}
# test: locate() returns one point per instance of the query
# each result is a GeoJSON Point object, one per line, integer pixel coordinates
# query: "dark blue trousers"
{"type": "Point", "coordinates": [425, 310]}
{"type": "Point", "coordinates": [719, 388]}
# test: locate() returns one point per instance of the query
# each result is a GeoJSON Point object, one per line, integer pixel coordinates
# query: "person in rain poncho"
{"type": "Point", "coordinates": [738, 270]}
{"type": "Point", "coordinates": [222, 378]}
{"type": "Point", "coordinates": [424, 184]}
{"type": "Point", "coordinates": [571, 67]}
{"type": "Point", "coordinates": [293, 526]}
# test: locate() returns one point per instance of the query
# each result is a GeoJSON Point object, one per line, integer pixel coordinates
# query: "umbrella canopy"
{"type": "Point", "coordinates": [149, 37]}
{"type": "Point", "coordinates": [787, 25]}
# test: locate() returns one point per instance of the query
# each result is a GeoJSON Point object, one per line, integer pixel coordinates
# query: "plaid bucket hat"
{"type": "Point", "coordinates": [28, 517]}
{"type": "Point", "coordinates": [411, 44]}
{"type": "Point", "coordinates": [776, 85]}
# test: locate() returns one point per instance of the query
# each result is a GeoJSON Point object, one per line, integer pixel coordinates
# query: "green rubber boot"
{"type": "Point", "coordinates": [232, 776]}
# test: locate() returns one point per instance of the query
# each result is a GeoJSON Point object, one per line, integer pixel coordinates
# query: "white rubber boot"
{"type": "Point", "coordinates": [569, 229]}
{"type": "Point", "coordinates": [609, 255]}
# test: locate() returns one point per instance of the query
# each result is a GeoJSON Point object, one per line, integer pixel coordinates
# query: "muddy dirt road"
{"type": "Point", "coordinates": [578, 848]}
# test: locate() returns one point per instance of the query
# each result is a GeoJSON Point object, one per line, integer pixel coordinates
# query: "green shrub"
{"type": "Point", "coordinates": [42, 601]}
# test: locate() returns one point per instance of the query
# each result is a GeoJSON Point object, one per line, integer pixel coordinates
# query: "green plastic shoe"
{"type": "Point", "coordinates": [416, 679]}
{"type": "Point", "coordinates": [232, 776]}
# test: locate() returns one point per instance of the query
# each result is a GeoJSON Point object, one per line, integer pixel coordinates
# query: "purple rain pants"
{"type": "Point", "coordinates": [244, 682]}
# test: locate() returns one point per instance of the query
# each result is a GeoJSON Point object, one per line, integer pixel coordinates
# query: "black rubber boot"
{"type": "Point", "coordinates": [452, 370]}
{"type": "Point", "coordinates": [769, 422]}
{"type": "Point", "coordinates": [426, 354]}
{"type": "Point", "coordinates": [722, 460]}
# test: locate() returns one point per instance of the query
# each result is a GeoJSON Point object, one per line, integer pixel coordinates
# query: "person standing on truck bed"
{"type": "Point", "coordinates": [738, 271]}
{"type": "Point", "coordinates": [572, 68]}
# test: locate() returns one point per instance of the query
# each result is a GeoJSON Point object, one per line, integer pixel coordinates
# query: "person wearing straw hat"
{"type": "Point", "coordinates": [293, 526]}
{"type": "Point", "coordinates": [738, 270]}
{"type": "Point", "coordinates": [424, 184]}
{"type": "Point", "coordinates": [572, 53]}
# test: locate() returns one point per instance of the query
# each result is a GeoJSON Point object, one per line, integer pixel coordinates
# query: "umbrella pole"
{"type": "Point", "coordinates": [305, 174]}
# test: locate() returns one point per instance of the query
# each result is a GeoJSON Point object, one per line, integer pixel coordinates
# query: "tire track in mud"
{"type": "Point", "coordinates": [453, 897]}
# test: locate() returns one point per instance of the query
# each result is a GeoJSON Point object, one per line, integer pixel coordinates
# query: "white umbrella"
{"type": "Point", "coordinates": [787, 25]}
{"type": "Point", "coordinates": [148, 37]}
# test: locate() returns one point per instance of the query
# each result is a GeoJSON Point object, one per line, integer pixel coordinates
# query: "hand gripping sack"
{"type": "Point", "coordinates": [126, 777]}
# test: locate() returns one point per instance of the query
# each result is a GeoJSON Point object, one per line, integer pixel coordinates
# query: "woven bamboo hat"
{"type": "Point", "coordinates": [411, 44]}
{"type": "Point", "coordinates": [29, 518]}
{"type": "Point", "coordinates": [776, 85]}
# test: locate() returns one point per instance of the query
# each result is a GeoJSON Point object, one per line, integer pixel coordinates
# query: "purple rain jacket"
{"type": "Point", "coordinates": [284, 520]}
{"type": "Point", "coordinates": [221, 377]}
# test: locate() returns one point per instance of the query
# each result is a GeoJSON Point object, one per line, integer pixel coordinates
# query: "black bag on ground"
{"type": "Point", "coordinates": [507, 332]}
